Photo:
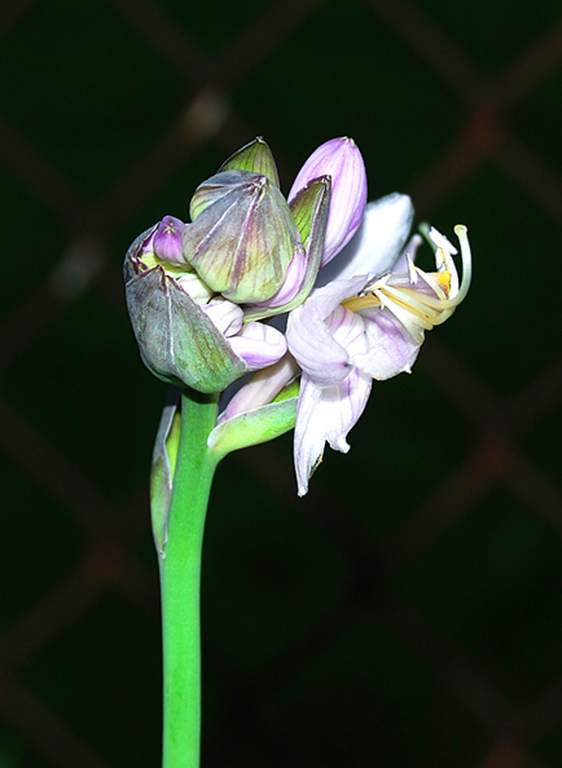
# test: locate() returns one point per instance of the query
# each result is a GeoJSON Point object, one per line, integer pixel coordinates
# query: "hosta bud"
{"type": "Point", "coordinates": [255, 157]}
{"type": "Point", "coordinates": [342, 161]}
{"type": "Point", "coordinates": [166, 242]}
{"type": "Point", "coordinates": [310, 214]}
{"type": "Point", "coordinates": [243, 236]}
{"type": "Point", "coordinates": [178, 341]}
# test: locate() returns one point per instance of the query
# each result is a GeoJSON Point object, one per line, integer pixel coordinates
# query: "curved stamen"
{"type": "Point", "coordinates": [466, 257]}
{"type": "Point", "coordinates": [426, 310]}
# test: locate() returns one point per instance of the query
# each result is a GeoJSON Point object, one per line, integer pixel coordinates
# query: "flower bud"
{"type": "Point", "coordinates": [243, 236]}
{"type": "Point", "coordinates": [310, 214]}
{"type": "Point", "coordinates": [342, 161]}
{"type": "Point", "coordinates": [166, 242]}
{"type": "Point", "coordinates": [255, 157]}
{"type": "Point", "coordinates": [178, 341]}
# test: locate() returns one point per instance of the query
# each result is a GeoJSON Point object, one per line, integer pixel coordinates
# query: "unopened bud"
{"type": "Point", "coordinates": [243, 236]}
{"type": "Point", "coordinates": [342, 161]}
{"type": "Point", "coordinates": [255, 157]}
{"type": "Point", "coordinates": [166, 242]}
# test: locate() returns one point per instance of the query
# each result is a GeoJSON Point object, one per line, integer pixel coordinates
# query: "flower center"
{"type": "Point", "coordinates": [422, 300]}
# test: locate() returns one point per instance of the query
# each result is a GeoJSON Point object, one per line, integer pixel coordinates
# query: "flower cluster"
{"type": "Point", "coordinates": [200, 294]}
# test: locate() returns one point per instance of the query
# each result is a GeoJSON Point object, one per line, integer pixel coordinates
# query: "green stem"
{"type": "Point", "coordinates": [180, 576]}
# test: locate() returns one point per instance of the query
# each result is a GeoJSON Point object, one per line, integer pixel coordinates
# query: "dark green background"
{"type": "Point", "coordinates": [407, 612]}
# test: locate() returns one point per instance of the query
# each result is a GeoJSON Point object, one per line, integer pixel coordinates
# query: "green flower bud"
{"type": "Point", "coordinates": [243, 236]}
{"type": "Point", "coordinates": [255, 157]}
{"type": "Point", "coordinates": [177, 339]}
{"type": "Point", "coordinates": [310, 213]}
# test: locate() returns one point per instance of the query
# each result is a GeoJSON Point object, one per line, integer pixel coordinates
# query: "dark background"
{"type": "Point", "coordinates": [407, 612]}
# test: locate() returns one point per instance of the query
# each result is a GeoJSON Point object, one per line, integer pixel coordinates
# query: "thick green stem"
{"type": "Point", "coordinates": [180, 576]}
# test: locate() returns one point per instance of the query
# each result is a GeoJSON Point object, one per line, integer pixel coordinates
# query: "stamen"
{"type": "Point", "coordinates": [411, 303]}
{"type": "Point", "coordinates": [466, 257]}
{"type": "Point", "coordinates": [356, 303]}
{"type": "Point", "coordinates": [444, 279]}
{"type": "Point", "coordinates": [423, 310]}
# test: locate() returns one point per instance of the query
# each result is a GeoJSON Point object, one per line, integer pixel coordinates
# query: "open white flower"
{"type": "Point", "coordinates": [363, 327]}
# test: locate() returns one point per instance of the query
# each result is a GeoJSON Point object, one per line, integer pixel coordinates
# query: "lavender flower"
{"type": "Point", "coordinates": [366, 320]}
{"type": "Point", "coordinates": [365, 327]}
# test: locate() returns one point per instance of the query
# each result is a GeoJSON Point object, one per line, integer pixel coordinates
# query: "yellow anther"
{"type": "Point", "coordinates": [444, 280]}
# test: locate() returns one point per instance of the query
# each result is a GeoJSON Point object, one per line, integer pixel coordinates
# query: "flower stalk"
{"type": "Point", "coordinates": [198, 294]}
{"type": "Point", "coordinates": [180, 578]}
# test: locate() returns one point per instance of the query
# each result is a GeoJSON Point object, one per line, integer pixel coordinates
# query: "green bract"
{"type": "Point", "coordinates": [258, 425]}
{"type": "Point", "coordinates": [164, 458]}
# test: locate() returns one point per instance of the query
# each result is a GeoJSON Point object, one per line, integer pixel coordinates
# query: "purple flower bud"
{"type": "Point", "coordinates": [342, 160]}
{"type": "Point", "coordinates": [166, 242]}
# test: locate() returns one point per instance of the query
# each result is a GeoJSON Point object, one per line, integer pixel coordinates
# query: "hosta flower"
{"type": "Point", "coordinates": [366, 320]}
{"type": "Point", "coordinates": [368, 324]}
{"type": "Point", "coordinates": [358, 305]}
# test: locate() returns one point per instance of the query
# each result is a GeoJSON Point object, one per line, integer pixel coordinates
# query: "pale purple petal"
{"type": "Point", "coordinates": [262, 388]}
{"type": "Point", "coordinates": [342, 161]}
{"type": "Point", "coordinates": [258, 345]}
{"type": "Point", "coordinates": [294, 278]}
{"type": "Point", "coordinates": [310, 340]}
{"type": "Point", "coordinates": [225, 315]}
{"type": "Point", "coordinates": [391, 349]}
{"type": "Point", "coordinates": [326, 414]}
{"type": "Point", "coordinates": [378, 243]}
{"type": "Point", "coordinates": [167, 240]}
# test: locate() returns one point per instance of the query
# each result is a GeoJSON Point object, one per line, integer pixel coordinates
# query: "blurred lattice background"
{"type": "Point", "coordinates": [407, 612]}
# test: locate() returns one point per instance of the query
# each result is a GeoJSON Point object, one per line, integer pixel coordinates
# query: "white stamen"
{"type": "Point", "coordinates": [441, 241]}
{"type": "Point", "coordinates": [416, 310]}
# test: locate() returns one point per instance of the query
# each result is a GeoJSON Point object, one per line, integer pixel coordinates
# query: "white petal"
{"type": "Point", "coordinates": [310, 339]}
{"type": "Point", "coordinates": [378, 243]}
{"type": "Point", "coordinates": [195, 287]}
{"type": "Point", "coordinates": [258, 345]}
{"type": "Point", "coordinates": [326, 414]}
{"type": "Point", "coordinates": [391, 349]}
{"type": "Point", "coordinates": [225, 315]}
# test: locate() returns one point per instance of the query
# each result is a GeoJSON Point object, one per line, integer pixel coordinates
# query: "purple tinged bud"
{"type": "Point", "coordinates": [294, 279]}
{"type": "Point", "coordinates": [167, 240]}
{"type": "Point", "coordinates": [254, 157]}
{"type": "Point", "coordinates": [243, 236]}
{"type": "Point", "coordinates": [342, 161]}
